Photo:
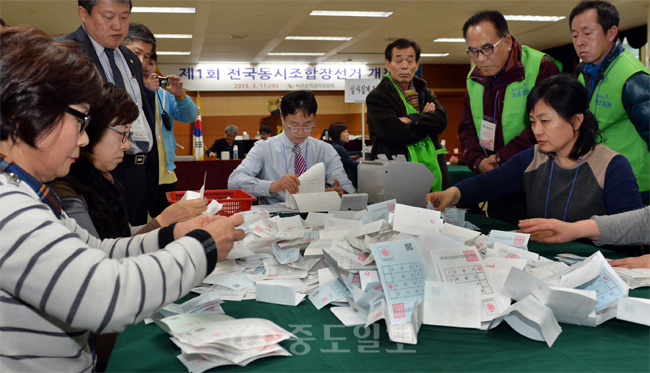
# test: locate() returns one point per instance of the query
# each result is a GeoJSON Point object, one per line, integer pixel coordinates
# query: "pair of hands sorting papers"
{"type": "Point", "coordinates": [406, 265]}
{"type": "Point", "coordinates": [311, 196]}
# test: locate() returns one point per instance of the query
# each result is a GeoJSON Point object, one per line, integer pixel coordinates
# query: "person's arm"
{"type": "Point", "coordinates": [527, 139]}
{"type": "Point", "coordinates": [505, 179]}
{"type": "Point", "coordinates": [384, 121]}
{"type": "Point", "coordinates": [621, 191]}
{"type": "Point", "coordinates": [628, 228]}
{"type": "Point", "coordinates": [473, 153]}
{"type": "Point", "coordinates": [213, 149]}
{"type": "Point", "coordinates": [345, 158]}
{"type": "Point", "coordinates": [184, 110]}
{"type": "Point", "coordinates": [76, 209]}
{"type": "Point", "coordinates": [334, 170]}
{"type": "Point", "coordinates": [636, 102]}
{"type": "Point", "coordinates": [244, 176]}
{"type": "Point", "coordinates": [434, 121]}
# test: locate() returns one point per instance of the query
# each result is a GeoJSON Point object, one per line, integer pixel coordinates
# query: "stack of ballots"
{"type": "Point", "coordinates": [412, 266]}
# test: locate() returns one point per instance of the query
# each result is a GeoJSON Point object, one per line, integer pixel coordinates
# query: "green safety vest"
{"type": "Point", "coordinates": [619, 132]}
{"type": "Point", "coordinates": [422, 151]}
{"type": "Point", "coordinates": [514, 118]}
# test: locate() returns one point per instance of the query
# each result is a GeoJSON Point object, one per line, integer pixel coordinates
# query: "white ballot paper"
{"type": "Point", "coordinates": [402, 276]}
{"type": "Point", "coordinates": [451, 304]}
{"type": "Point", "coordinates": [381, 210]}
{"type": "Point", "coordinates": [463, 235]}
{"type": "Point", "coordinates": [569, 306]}
{"type": "Point", "coordinates": [531, 319]}
{"type": "Point", "coordinates": [349, 316]}
{"type": "Point", "coordinates": [636, 310]}
{"type": "Point", "coordinates": [188, 321]}
{"type": "Point", "coordinates": [311, 196]}
{"type": "Point", "coordinates": [464, 265]}
{"type": "Point", "coordinates": [329, 292]}
{"type": "Point", "coordinates": [518, 240]}
{"type": "Point", "coordinates": [407, 332]}
{"type": "Point", "coordinates": [209, 298]}
{"type": "Point", "coordinates": [413, 220]}
{"type": "Point", "coordinates": [269, 292]}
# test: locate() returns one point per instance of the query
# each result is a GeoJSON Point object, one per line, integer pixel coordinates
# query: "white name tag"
{"type": "Point", "coordinates": [487, 134]}
{"type": "Point", "coordinates": [139, 128]}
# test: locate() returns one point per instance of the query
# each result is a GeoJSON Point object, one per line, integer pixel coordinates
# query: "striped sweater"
{"type": "Point", "coordinates": [57, 282]}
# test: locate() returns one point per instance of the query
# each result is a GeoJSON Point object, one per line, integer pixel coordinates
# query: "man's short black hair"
{"type": "Point", "coordinates": [138, 31]}
{"type": "Point", "coordinates": [402, 44]}
{"type": "Point", "coordinates": [90, 4]}
{"type": "Point", "coordinates": [2, 23]}
{"type": "Point", "coordinates": [265, 129]}
{"type": "Point", "coordinates": [492, 16]}
{"type": "Point", "coordinates": [154, 56]}
{"type": "Point", "coordinates": [608, 15]}
{"type": "Point", "coordinates": [303, 100]}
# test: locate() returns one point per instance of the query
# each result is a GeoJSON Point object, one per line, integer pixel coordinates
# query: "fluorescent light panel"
{"type": "Point", "coordinates": [329, 38]}
{"type": "Point", "coordinates": [296, 54]}
{"type": "Point", "coordinates": [173, 36]}
{"type": "Point", "coordinates": [434, 54]}
{"type": "Point", "coordinates": [534, 18]}
{"type": "Point", "coordinates": [449, 40]}
{"type": "Point", "coordinates": [147, 9]}
{"type": "Point", "coordinates": [173, 53]}
{"type": "Point", "coordinates": [336, 13]}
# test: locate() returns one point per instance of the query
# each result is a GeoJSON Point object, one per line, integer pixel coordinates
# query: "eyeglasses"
{"type": "Point", "coordinates": [126, 135]}
{"type": "Point", "coordinates": [486, 50]}
{"type": "Point", "coordinates": [84, 117]}
{"type": "Point", "coordinates": [296, 129]}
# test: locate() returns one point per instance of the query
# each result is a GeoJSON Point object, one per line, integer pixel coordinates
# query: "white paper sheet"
{"type": "Point", "coordinates": [531, 319]}
{"type": "Point", "coordinates": [413, 220]}
{"type": "Point", "coordinates": [381, 210]}
{"type": "Point", "coordinates": [451, 304]}
{"type": "Point", "coordinates": [636, 310]}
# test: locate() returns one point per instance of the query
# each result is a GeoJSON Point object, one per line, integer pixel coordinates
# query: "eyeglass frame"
{"type": "Point", "coordinates": [126, 135]}
{"type": "Point", "coordinates": [297, 129]}
{"type": "Point", "coordinates": [483, 49]}
{"type": "Point", "coordinates": [84, 117]}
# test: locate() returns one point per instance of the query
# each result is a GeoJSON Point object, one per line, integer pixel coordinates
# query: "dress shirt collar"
{"type": "Point", "coordinates": [289, 144]}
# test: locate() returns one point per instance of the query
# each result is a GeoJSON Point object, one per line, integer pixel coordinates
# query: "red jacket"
{"type": "Point", "coordinates": [473, 153]}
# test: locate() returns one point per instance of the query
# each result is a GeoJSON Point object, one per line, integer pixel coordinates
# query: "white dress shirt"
{"type": "Point", "coordinates": [269, 160]}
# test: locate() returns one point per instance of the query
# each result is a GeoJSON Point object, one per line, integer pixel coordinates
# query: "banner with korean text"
{"type": "Point", "coordinates": [270, 77]}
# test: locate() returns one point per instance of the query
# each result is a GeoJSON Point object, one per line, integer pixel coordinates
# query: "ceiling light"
{"type": "Point", "coordinates": [434, 54]}
{"type": "Point", "coordinates": [296, 54]}
{"type": "Point", "coordinates": [173, 36]}
{"type": "Point", "coordinates": [449, 40]}
{"type": "Point", "coordinates": [147, 9]}
{"type": "Point", "coordinates": [534, 18]}
{"type": "Point", "coordinates": [173, 53]}
{"type": "Point", "coordinates": [337, 13]}
{"type": "Point", "coordinates": [331, 38]}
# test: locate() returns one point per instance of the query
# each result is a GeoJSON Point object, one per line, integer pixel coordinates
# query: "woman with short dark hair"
{"type": "Point", "coordinates": [58, 282]}
{"type": "Point", "coordinates": [338, 132]}
{"type": "Point", "coordinates": [568, 175]}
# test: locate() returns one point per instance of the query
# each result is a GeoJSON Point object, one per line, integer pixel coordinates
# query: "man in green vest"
{"type": "Point", "coordinates": [494, 124]}
{"type": "Point", "coordinates": [618, 85]}
{"type": "Point", "coordinates": [404, 116]}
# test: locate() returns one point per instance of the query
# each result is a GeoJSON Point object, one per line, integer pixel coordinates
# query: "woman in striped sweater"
{"type": "Point", "coordinates": [58, 282]}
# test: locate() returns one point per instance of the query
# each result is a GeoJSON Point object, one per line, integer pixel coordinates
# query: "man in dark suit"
{"type": "Point", "coordinates": [105, 25]}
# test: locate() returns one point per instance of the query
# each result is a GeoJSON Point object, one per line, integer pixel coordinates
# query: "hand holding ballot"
{"type": "Point", "coordinates": [441, 200]}
{"type": "Point", "coordinates": [559, 231]}
{"type": "Point", "coordinates": [336, 188]}
{"type": "Point", "coordinates": [288, 182]}
{"type": "Point", "coordinates": [221, 229]}
{"type": "Point", "coordinates": [182, 211]}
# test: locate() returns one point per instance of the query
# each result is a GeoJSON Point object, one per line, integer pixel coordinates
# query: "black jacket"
{"type": "Point", "coordinates": [390, 136]}
{"type": "Point", "coordinates": [148, 105]}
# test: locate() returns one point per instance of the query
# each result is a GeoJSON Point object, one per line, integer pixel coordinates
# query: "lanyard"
{"type": "Point", "coordinates": [570, 193]}
{"type": "Point", "coordinates": [284, 150]}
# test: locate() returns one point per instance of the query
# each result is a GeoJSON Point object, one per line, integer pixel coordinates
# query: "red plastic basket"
{"type": "Point", "coordinates": [233, 200]}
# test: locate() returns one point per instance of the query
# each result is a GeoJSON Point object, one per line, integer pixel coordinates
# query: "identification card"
{"type": "Point", "coordinates": [488, 129]}
{"type": "Point", "coordinates": [139, 128]}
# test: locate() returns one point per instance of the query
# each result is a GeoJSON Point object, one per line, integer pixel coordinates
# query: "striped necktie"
{"type": "Point", "coordinates": [117, 75]}
{"type": "Point", "coordinates": [299, 165]}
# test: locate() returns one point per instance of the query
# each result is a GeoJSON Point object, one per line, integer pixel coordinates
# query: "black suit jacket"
{"type": "Point", "coordinates": [148, 106]}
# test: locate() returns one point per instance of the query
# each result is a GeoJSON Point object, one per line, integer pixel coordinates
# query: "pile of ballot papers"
{"type": "Point", "coordinates": [634, 278]}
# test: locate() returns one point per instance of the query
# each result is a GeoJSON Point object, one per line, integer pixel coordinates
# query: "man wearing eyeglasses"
{"type": "Point", "coordinates": [271, 167]}
{"type": "Point", "coordinates": [494, 124]}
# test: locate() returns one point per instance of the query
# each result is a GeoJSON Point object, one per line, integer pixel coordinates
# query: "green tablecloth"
{"type": "Point", "coordinates": [458, 173]}
{"type": "Point", "coordinates": [326, 345]}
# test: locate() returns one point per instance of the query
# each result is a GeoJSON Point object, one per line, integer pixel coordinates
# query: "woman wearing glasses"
{"type": "Point", "coordinates": [58, 282]}
{"type": "Point", "coordinates": [568, 175]}
{"type": "Point", "coordinates": [89, 194]}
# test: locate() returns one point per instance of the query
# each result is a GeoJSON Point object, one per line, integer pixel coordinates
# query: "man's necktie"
{"type": "Point", "coordinates": [117, 75]}
{"type": "Point", "coordinates": [299, 165]}
{"type": "Point", "coordinates": [119, 81]}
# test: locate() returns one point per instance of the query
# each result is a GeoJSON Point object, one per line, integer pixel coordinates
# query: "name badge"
{"type": "Point", "coordinates": [139, 127]}
{"type": "Point", "coordinates": [488, 128]}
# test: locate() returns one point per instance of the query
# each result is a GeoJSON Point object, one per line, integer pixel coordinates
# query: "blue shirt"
{"type": "Point", "coordinates": [269, 160]}
{"type": "Point", "coordinates": [184, 111]}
